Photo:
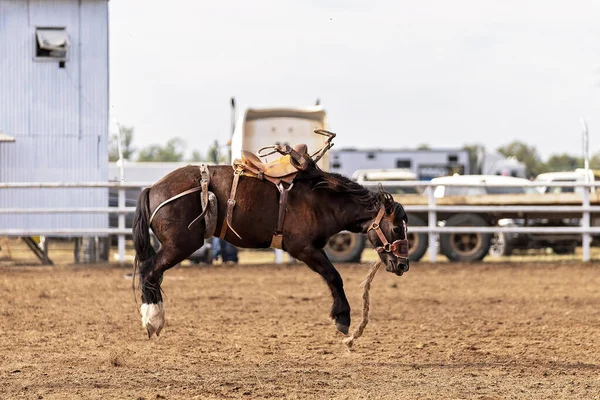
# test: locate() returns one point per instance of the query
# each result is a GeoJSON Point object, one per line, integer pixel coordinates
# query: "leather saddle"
{"type": "Point", "coordinates": [281, 167]}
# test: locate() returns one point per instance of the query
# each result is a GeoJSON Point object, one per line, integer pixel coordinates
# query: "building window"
{"type": "Point", "coordinates": [51, 44]}
{"type": "Point", "coordinates": [452, 158]}
{"type": "Point", "coordinates": [403, 163]}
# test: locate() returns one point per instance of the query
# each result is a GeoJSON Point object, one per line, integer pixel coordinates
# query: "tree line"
{"type": "Point", "coordinates": [534, 164]}
{"type": "Point", "coordinates": [174, 150]}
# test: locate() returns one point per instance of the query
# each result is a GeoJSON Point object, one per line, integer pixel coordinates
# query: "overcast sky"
{"type": "Point", "coordinates": [391, 74]}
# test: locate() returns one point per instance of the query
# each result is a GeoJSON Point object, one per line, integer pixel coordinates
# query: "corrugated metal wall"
{"type": "Point", "coordinates": [58, 116]}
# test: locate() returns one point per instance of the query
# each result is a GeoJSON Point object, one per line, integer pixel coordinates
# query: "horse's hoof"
{"type": "Point", "coordinates": [152, 330]}
{"type": "Point", "coordinates": [342, 322]}
{"type": "Point", "coordinates": [153, 318]}
{"type": "Point", "coordinates": [342, 328]}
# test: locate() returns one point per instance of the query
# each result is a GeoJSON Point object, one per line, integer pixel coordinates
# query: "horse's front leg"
{"type": "Point", "coordinates": [317, 261]}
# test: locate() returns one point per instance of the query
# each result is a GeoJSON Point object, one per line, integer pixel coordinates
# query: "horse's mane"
{"type": "Point", "coordinates": [319, 179]}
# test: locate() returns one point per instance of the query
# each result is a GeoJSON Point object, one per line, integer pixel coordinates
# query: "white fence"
{"type": "Point", "coordinates": [121, 210]}
{"type": "Point", "coordinates": [432, 228]}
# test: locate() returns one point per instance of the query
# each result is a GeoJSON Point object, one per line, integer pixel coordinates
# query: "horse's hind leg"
{"type": "Point", "coordinates": [151, 274]}
{"type": "Point", "coordinates": [152, 309]}
{"type": "Point", "coordinates": [340, 311]}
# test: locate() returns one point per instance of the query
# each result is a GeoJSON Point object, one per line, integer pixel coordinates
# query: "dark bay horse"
{"type": "Point", "coordinates": [320, 205]}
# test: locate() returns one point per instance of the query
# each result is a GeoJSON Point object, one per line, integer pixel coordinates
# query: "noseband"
{"type": "Point", "coordinates": [399, 248]}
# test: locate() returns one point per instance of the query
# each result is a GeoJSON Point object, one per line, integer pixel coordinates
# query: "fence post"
{"type": "Point", "coordinates": [77, 250]}
{"type": "Point", "coordinates": [586, 238]}
{"type": "Point", "coordinates": [278, 256]}
{"type": "Point", "coordinates": [121, 225]}
{"type": "Point", "coordinates": [432, 223]}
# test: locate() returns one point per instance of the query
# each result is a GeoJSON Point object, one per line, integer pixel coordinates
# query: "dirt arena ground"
{"type": "Point", "coordinates": [479, 331]}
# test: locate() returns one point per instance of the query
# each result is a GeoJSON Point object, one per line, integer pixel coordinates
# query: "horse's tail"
{"type": "Point", "coordinates": [141, 229]}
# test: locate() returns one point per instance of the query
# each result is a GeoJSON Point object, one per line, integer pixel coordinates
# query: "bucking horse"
{"type": "Point", "coordinates": [289, 203]}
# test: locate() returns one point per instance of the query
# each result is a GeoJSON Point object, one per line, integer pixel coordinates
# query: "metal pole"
{"type": "Point", "coordinates": [121, 203]}
{"type": "Point", "coordinates": [121, 225]}
{"type": "Point", "coordinates": [586, 238]}
{"type": "Point", "coordinates": [232, 128]}
{"type": "Point", "coordinates": [432, 222]}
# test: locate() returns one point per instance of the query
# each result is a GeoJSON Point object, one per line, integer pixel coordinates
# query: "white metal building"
{"type": "Point", "coordinates": [54, 103]}
{"type": "Point", "coordinates": [425, 164]}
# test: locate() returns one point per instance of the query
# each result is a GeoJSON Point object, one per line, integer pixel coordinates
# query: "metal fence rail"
{"type": "Point", "coordinates": [432, 209]}
{"type": "Point", "coordinates": [121, 231]}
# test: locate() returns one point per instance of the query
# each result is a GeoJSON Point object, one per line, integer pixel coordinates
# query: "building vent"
{"type": "Point", "coordinates": [51, 43]}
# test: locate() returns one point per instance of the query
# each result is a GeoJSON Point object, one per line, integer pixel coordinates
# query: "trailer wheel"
{"type": "Point", "coordinates": [417, 242]}
{"type": "Point", "coordinates": [345, 247]}
{"type": "Point", "coordinates": [500, 246]}
{"type": "Point", "coordinates": [465, 247]}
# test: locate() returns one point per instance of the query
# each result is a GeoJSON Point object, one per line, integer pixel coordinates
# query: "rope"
{"type": "Point", "coordinates": [349, 341]}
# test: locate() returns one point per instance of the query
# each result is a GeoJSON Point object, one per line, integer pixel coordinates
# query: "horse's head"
{"type": "Point", "coordinates": [388, 234]}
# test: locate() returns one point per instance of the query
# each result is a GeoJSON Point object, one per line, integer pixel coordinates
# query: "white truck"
{"type": "Point", "coordinates": [579, 175]}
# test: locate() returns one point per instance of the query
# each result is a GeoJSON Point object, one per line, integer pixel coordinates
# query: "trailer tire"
{"type": "Point", "coordinates": [564, 248]}
{"type": "Point", "coordinates": [417, 242]}
{"type": "Point", "coordinates": [465, 247]}
{"type": "Point", "coordinates": [500, 245]}
{"type": "Point", "coordinates": [345, 247]}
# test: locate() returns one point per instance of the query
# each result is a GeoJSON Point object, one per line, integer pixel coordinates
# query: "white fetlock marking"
{"type": "Point", "coordinates": [153, 317]}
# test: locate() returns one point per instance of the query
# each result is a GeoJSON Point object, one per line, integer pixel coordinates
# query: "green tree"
{"type": "Point", "coordinates": [423, 146]}
{"type": "Point", "coordinates": [595, 161]}
{"type": "Point", "coordinates": [197, 157]}
{"type": "Point", "coordinates": [126, 144]}
{"type": "Point", "coordinates": [171, 152]}
{"type": "Point", "coordinates": [215, 155]}
{"type": "Point", "coordinates": [526, 154]}
{"type": "Point", "coordinates": [563, 162]}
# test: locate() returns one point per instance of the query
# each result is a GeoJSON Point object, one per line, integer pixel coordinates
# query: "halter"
{"type": "Point", "coordinates": [399, 248]}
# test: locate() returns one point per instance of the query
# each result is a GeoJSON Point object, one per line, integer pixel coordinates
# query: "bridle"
{"type": "Point", "coordinates": [399, 248]}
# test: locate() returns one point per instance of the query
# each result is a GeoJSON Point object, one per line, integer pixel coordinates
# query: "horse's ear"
{"type": "Point", "coordinates": [390, 205]}
{"type": "Point", "coordinates": [387, 200]}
